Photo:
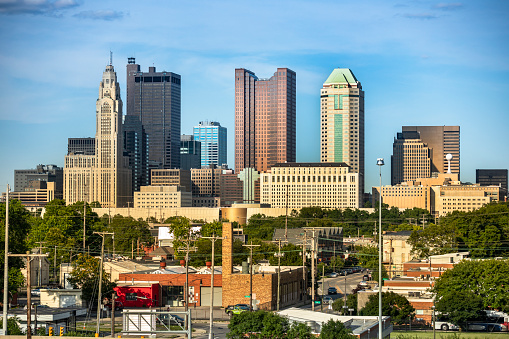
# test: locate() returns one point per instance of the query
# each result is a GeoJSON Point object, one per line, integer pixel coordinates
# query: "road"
{"type": "Point", "coordinates": [352, 280]}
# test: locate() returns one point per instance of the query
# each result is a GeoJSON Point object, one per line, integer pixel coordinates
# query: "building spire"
{"type": "Point", "coordinates": [111, 58]}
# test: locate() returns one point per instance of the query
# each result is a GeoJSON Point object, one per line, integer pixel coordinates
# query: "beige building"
{"type": "Point", "coordinates": [37, 194]}
{"type": "Point", "coordinates": [439, 195]}
{"type": "Point", "coordinates": [162, 197]}
{"type": "Point", "coordinates": [61, 298]}
{"type": "Point", "coordinates": [342, 121]}
{"type": "Point", "coordinates": [297, 185]}
{"type": "Point", "coordinates": [411, 158]}
{"type": "Point", "coordinates": [105, 176]}
{"type": "Point", "coordinates": [396, 251]}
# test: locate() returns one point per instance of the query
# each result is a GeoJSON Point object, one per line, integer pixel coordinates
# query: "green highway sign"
{"type": "Point", "coordinates": [246, 296]}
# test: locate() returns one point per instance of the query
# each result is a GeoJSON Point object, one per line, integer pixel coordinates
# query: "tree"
{"type": "Point", "coordinates": [13, 327]}
{"type": "Point", "coordinates": [212, 228]}
{"type": "Point", "coordinates": [351, 303]}
{"type": "Point", "coordinates": [127, 230]}
{"type": "Point", "coordinates": [433, 240]}
{"type": "Point", "coordinates": [85, 275]}
{"type": "Point", "coordinates": [264, 324]}
{"type": "Point", "coordinates": [394, 305]}
{"type": "Point", "coordinates": [182, 232]}
{"type": "Point", "coordinates": [299, 331]}
{"type": "Point", "coordinates": [460, 307]}
{"type": "Point", "coordinates": [488, 279]}
{"type": "Point", "coordinates": [335, 330]}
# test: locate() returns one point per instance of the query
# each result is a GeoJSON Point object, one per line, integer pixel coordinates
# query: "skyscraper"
{"type": "Point", "coordinates": [342, 121]}
{"type": "Point", "coordinates": [154, 97]}
{"type": "Point", "coordinates": [190, 152]}
{"type": "Point", "coordinates": [265, 119]}
{"type": "Point", "coordinates": [411, 158]}
{"type": "Point", "coordinates": [213, 142]}
{"type": "Point", "coordinates": [104, 176]}
{"type": "Point", "coordinates": [137, 148]}
{"type": "Point", "coordinates": [442, 140]}
{"type": "Point", "coordinates": [488, 177]}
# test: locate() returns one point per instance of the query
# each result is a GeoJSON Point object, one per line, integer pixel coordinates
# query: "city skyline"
{"type": "Point", "coordinates": [420, 63]}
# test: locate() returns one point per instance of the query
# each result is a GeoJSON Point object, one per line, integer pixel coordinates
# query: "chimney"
{"type": "Point", "coordinates": [208, 264]}
{"type": "Point", "coordinates": [162, 264]}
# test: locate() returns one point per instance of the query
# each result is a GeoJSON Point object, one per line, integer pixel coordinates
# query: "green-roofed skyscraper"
{"type": "Point", "coordinates": [342, 121]}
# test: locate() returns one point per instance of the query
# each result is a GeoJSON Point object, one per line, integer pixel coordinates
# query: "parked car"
{"type": "Point", "coordinates": [332, 290]}
{"type": "Point", "coordinates": [363, 283]}
{"type": "Point", "coordinates": [445, 326]}
{"type": "Point", "coordinates": [36, 292]}
{"type": "Point", "coordinates": [333, 275]}
{"type": "Point", "coordinates": [231, 308]}
{"type": "Point", "coordinates": [365, 277]}
{"type": "Point", "coordinates": [118, 305]}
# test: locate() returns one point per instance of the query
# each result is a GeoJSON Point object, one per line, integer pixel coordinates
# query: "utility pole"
{"type": "Point", "coordinates": [113, 296]}
{"type": "Point", "coordinates": [313, 271]}
{"type": "Point", "coordinates": [102, 234]}
{"type": "Point", "coordinates": [213, 239]}
{"type": "Point", "coordinates": [323, 286]}
{"type": "Point", "coordinates": [55, 264]}
{"type": "Point", "coordinates": [251, 274]}
{"type": "Point", "coordinates": [304, 245]}
{"type": "Point", "coordinates": [132, 249]}
{"type": "Point", "coordinates": [6, 264]}
{"type": "Point", "coordinates": [39, 275]}
{"type": "Point", "coordinates": [29, 287]}
{"type": "Point", "coordinates": [279, 255]}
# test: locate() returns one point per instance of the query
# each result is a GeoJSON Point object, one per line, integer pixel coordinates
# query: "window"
{"type": "Point", "coordinates": [130, 296]}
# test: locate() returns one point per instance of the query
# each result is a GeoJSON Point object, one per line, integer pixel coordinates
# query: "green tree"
{"type": "Point", "coordinates": [16, 279]}
{"type": "Point", "coordinates": [212, 228]}
{"type": "Point", "coordinates": [335, 330]}
{"type": "Point", "coordinates": [127, 230]}
{"type": "Point", "coordinates": [180, 227]}
{"type": "Point", "coordinates": [85, 275]}
{"type": "Point", "coordinates": [488, 279]}
{"type": "Point", "coordinates": [262, 324]}
{"type": "Point", "coordinates": [299, 331]}
{"type": "Point", "coordinates": [394, 305]}
{"type": "Point", "coordinates": [13, 327]}
{"type": "Point", "coordinates": [460, 307]}
{"type": "Point", "coordinates": [433, 240]}
{"type": "Point", "coordinates": [351, 303]}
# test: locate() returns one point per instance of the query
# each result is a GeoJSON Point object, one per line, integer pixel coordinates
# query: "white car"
{"type": "Point", "coordinates": [333, 275]}
{"type": "Point", "coordinates": [445, 326]}
{"type": "Point", "coordinates": [363, 283]}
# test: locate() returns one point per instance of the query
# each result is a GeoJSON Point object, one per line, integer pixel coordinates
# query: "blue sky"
{"type": "Point", "coordinates": [419, 62]}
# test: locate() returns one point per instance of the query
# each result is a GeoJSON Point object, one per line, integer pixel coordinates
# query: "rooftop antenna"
{"type": "Point", "coordinates": [448, 156]}
{"type": "Point", "coordinates": [111, 58]}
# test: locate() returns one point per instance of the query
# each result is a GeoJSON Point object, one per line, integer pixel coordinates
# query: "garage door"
{"type": "Point", "coordinates": [205, 296]}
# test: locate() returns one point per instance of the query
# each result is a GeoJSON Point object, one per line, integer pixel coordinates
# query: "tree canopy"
{"type": "Point", "coordinates": [394, 305]}
{"type": "Point", "coordinates": [333, 329]}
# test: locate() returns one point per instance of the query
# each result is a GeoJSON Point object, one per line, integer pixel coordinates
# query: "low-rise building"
{"type": "Point", "coordinates": [162, 197]}
{"type": "Point", "coordinates": [396, 251]}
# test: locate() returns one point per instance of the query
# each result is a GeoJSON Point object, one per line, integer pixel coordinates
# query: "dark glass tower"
{"type": "Point", "coordinates": [154, 97]}
{"type": "Point", "coordinates": [136, 146]}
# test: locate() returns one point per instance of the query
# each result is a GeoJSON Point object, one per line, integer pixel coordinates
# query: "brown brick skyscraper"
{"type": "Point", "coordinates": [265, 119]}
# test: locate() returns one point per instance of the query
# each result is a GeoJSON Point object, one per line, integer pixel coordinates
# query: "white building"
{"type": "Point", "coordinates": [297, 185]}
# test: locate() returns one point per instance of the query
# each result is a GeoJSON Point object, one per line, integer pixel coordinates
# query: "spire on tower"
{"type": "Point", "coordinates": [111, 58]}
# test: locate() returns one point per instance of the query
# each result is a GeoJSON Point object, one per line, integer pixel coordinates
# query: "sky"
{"type": "Point", "coordinates": [419, 62]}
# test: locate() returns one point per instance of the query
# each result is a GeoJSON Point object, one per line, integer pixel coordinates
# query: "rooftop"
{"type": "Point", "coordinates": [341, 76]}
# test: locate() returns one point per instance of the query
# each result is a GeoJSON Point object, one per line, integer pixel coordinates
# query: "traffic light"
{"type": "Point", "coordinates": [50, 331]}
{"type": "Point", "coordinates": [61, 330]}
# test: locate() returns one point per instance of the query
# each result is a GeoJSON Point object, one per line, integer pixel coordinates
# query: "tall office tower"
{"type": "Point", "coordinates": [442, 140]}
{"type": "Point", "coordinates": [265, 119]}
{"type": "Point", "coordinates": [342, 121]}
{"type": "Point", "coordinates": [112, 177]}
{"type": "Point", "coordinates": [154, 97]}
{"type": "Point", "coordinates": [213, 142]}
{"type": "Point", "coordinates": [411, 158]}
{"type": "Point", "coordinates": [137, 148]}
{"type": "Point", "coordinates": [81, 146]}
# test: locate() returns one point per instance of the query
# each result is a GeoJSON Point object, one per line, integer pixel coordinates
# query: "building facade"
{"type": "Point", "coordinates": [493, 177]}
{"type": "Point", "coordinates": [160, 197]}
{"type": "Point", "coordinates": [342, 121]}
{"type": "Point", "coordinates": [213, 142]}
{"type": "Point", "coordinates": [154, 97]}
{"type": "Point", "coordinates": [81, 146]}
{"type": "Point", "coordinates": [190, 152]}
{"type": "Point", "coordinates": [297, 185]}
{"type": "Point", "coordinates": [442, 140]}
{"type": "Point", "coordinates": [171, 177]}
{"type": "Point", "coordinates": [137, 149]}
{"type": "Point", "coordinates": [265, 119]}
{"type": "Point", "coordinates": [411, 158]}
{"type": "Point", "coordinates": [47, 173]}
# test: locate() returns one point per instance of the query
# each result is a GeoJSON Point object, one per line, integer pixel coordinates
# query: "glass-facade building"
{"type": "Point", "coordinates": [213, 142]}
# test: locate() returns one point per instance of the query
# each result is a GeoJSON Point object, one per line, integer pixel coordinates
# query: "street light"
{"type": "Point", "coordinates": [380, 163]}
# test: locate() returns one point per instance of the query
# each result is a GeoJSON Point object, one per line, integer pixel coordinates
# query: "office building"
{"type": "Point", "coordinates": [36, 194]}
{"type": "Point", "coordinates": [493, 177]}
{"type": "Point", "coordinates": [162, 197]}
{"type": "Point", "coordinates": [411, 158]}
{"type": "Point", "coordinates": [47, 173]}
{"type": "Point", "coordinates": [136, 145]}
{"type": "Point", "coordinates": [296, 185]}
{"type": "Point", "coordinates": [81, 146]}
{"type": "Point", "coordinates": [342, 121]}
{"type": "Point", "coordinates": [213, 142]}
{"type": "Point", "coordinates": [154, 97]}
{"type": "Point", "coordinates": [442, 140]}
{"type": "Point", "coordinates": [230, 188]}
{"type": "Point", "coordinates": [171, 177]}
{"type": "Point", "coordinates": [190, 152]}
{"type": "Point", "coordinates": [265, 119]}
{"type": "Point", "coordinates": [104, 177]}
